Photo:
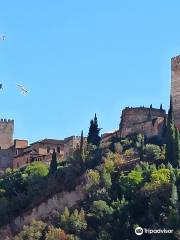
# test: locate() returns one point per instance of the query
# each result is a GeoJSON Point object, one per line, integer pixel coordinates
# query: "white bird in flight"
{"type": "Point", "coordinates": [22, 89]}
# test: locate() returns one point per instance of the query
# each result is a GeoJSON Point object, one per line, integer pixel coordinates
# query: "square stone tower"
{"type": "Point", "coordinates": [175, 88]}
{"type": "Point", "coordinates": [6, 133]}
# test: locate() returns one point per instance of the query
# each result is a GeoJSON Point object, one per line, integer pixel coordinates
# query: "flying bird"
{"type": "Point", "coordinates": [22, 89]}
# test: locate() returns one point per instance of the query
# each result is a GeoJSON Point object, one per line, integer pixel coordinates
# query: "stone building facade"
{"type": "Point", "coordinates": [42, 151]}
{"type": "Point", "coordinates": [175, 88]}
{"type": "Point", "coordinates": [148, 121]}
{"type": "Point", "coordinates": [18, 153]}
{"type": "Point", "coordinates": [71, 144]}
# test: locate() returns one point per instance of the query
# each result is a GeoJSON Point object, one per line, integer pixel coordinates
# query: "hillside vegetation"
{"type": "Point", "coordinates": [128, 182]}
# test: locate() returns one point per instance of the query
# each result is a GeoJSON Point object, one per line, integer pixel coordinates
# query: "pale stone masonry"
{"type": "Point", "coordinates": [6, 133]}
{"type": "Point", "coordinates": [175, 88]}
{"type": "Point", "coordinates": [147, 121]}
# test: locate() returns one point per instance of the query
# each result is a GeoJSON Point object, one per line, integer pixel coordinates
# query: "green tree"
{"type": "Point", "coordinates": [152, 152]}
{"type": "Point", "coordinates": [56, 234]}
{"type": "Point", "coordinates": [177, 148]}
{"type": "Point", "coordinates": [34, 231]}
{"type": "Point", "coordinates": [36, 169]}
{"type": "Point", "coordinates": [94, 130]}
{"type": "Point", "coordinates": [140, 145]}
{"type": "Point", "coordinates": [160, 176]}
{"type": "Point", "coordinates": [101, 209]}
{"type": "Point", "coordinates": [53, 165]}
{"type": "Point", "coordinates": [170, 136]}
{"type": "Point", "coordinates": [174, 195]}
{"type": "Point", "coordinates": [91, 132]}
{"type": "Point", "coordinates": [82, 145]}
{"type": "Point", "coordinates": [73, 223]}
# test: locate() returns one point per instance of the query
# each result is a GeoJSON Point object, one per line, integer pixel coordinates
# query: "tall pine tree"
{"type": "Point", "coordinates": [97, 138]}
{"type": "Point", "coordinates": [82, 145]}
{"type": "Point", "coordinates": [53, 165]}
{"type": "Point", "coordinates": [91, 132]}
{"type": "Point", "coordinates": [94, 130]}
{"type": "Point", "coordinates": [170, 135]}
{"type": "Point", "coordinates": [177, 149]}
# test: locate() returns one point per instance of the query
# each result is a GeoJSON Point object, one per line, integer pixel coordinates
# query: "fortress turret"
{"type": "Point", "coordinates": [6, 133]}
{"type": "Point", "coordinates": [175, 88]}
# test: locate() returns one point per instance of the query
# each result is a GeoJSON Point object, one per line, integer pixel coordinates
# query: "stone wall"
{"type": "Point", "coordinates": [56, 203]}
{"type": "Point", "coordinates": [6, 158]}
{"type": "Point", "coordinates": [148, 121]}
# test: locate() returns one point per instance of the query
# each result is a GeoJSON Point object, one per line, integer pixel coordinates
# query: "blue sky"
{"type": "Point", "coordinates": [81, 57]}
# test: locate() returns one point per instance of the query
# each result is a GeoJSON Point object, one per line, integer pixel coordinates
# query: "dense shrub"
{"type": "Point", "coordinates": [152, 152]}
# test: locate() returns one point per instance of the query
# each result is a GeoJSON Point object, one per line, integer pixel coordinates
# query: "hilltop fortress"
{"type": "Point", "coordinates": [148, 121]}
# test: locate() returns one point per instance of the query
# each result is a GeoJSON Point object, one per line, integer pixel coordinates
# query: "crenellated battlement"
{"type": "Point", "coordinates": [175, 63]}
{"type": "Point", "coordinates": [6, 121]}
{"type": "Point", "coordinates": [143, 111]}
{"type": "Point", "coordinates": [141, 120]}
{"type": "Point", "coordinates": [175, 59]}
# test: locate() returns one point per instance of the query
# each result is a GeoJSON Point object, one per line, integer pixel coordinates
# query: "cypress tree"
{"type": "Point", "coordinates": [170, 113]}
{"type": "Point", "coordinates": [81, 143]}
{"type": "Point", "coordinates": [170, 135]}
{"type": "Point", "coordinates": [164, 129]}
{"type": "Point", "coordinates": [97, 138]}
{"type": "Point", "coordinates": [91, 132]}
{"type": "Point", "coordinates": [172, 139]}
{"type": "Point", "coordinates": [174, 195]}
{"type": "Point", "coordinates": [177, 149]}
{"type": "Point", "coordinates": [161, 107]}
{"type": "Point", "coordinates": [93, 135]}
{"type": "Point", "coordinates": [81, 149]}
{"type": "Point", "coordinates": [53, 165]}
{"type": "Point", "coordinates": [170, 143]}
{"type": "Point", "coordinates": [142, 148]}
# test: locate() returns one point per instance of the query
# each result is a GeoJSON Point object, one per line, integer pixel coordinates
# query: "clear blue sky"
{"type": "Point", "coordinates": [81, 57]}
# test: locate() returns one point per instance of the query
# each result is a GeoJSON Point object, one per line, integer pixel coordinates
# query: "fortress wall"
{"type": "Point", "coordinates": [140, 120]}
{"type": "Point", "coordinates": [56, 203]}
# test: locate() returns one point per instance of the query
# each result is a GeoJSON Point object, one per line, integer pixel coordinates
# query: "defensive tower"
{"type": "Point", "coordinates": [6, 133]}
{"type": "Point", "coordinates": [175, 88]}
